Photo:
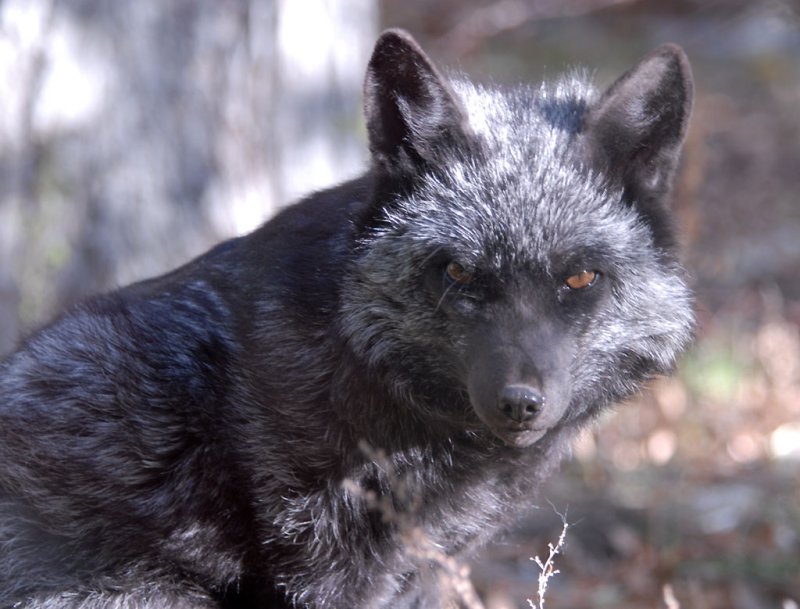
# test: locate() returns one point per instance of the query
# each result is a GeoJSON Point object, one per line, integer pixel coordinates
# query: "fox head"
{"type": "Point", "coordinates": [516, 265]}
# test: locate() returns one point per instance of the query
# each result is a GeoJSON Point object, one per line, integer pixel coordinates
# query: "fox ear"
{"type": "Point", "coordinates": [635, 131]}
{"type": "Point", "coordinates": [409, 107]}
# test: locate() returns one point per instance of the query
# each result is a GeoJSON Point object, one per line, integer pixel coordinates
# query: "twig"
{"type": "Point", "coordinates": [504, 15]}
{"type": "Point", "coordinates": [547, 568]}
{"type": "Point", "coordinates": [453, 575]}
{"type": "Point", "coordinates": [669, 597]}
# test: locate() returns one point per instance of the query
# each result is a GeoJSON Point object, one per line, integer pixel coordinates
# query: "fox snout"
{"type": "Point", "coordinates": [519, 382]}
{"type": "Point", "coordinates": [518, 412]}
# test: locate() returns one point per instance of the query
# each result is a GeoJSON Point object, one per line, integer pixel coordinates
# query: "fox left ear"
{"type": "Point", "coordinates": [409, 107]}
{"type": "Point", "coordinates": [635, 131]}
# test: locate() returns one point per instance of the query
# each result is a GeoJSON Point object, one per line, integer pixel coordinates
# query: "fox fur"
{"type": "Point", "coordinates": [504, 270]}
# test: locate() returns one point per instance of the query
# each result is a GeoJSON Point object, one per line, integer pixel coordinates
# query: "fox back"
{"type": "Point", "coordinates": [388, 366]}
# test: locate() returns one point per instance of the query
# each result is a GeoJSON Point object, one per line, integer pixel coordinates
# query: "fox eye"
{"type": "Point", "coordinates": [581, 280]}
{"type": "Point", "coordinates": [458, 274]}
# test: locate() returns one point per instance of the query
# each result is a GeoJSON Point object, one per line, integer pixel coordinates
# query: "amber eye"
{"type": "Point", "coordinates": [581, 280]}
{"type": "Point", "coordinates": [458, 274]}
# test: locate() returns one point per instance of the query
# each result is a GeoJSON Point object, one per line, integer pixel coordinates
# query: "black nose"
{"type": "Point", "coordinates": [520, 403]}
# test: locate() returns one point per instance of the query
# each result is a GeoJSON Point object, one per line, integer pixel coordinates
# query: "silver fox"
{"type": "Point", "coordinates": [504, 270]}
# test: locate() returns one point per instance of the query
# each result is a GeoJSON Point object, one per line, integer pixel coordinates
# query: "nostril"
{"type": "Point", "coordinates": [520, 403]}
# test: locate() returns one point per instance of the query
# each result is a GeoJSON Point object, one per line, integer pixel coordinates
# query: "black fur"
{"type": "Point", "coordinates": [198, 439]}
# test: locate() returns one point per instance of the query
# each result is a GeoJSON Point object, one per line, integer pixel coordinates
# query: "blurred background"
{"type": "Point", "coordinates": [134, 135]}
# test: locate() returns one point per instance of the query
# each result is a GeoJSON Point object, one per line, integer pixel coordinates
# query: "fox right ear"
{"type": "Point", "coordinates": [635, 131]}
{"type": "Point", "coordinates": [409, 107]}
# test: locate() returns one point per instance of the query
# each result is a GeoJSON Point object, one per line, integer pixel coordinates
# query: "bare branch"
{"type": "Point", "coordinates": [669, 598]}
{"type": "Point", "coordinates": [453, 575]}
{"type": "Point", "coordinates": [505, 15]}
{"type": "Point", "coordinates": [547, 568]}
